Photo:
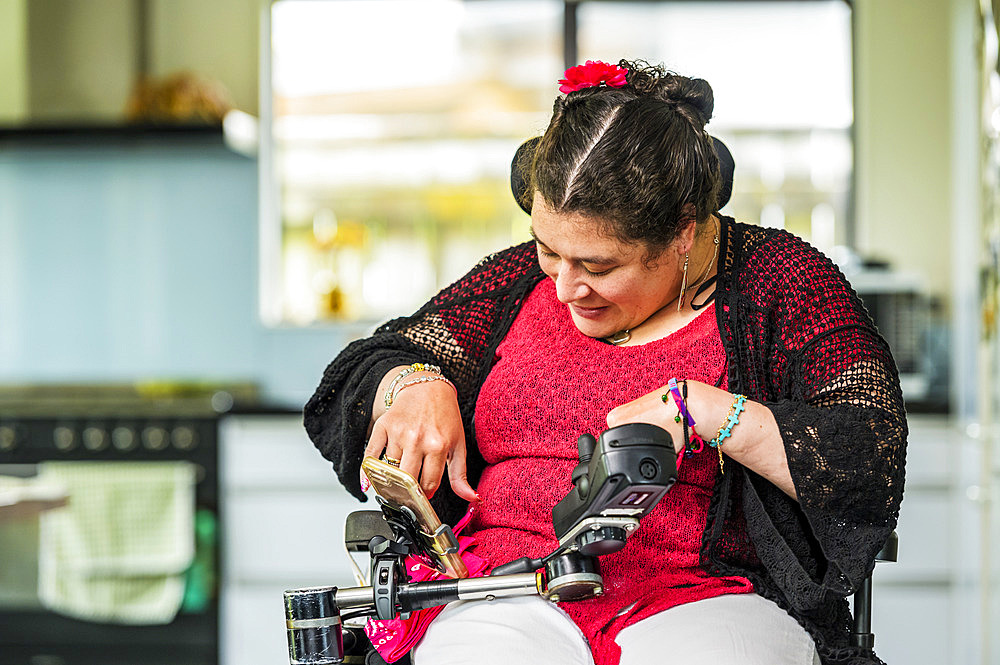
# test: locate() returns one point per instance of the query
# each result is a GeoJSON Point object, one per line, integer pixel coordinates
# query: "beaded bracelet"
{"type": "Point", "coordinates": [688, 451]}
{"type": "Point", "coordinates": [726, 430]}
{"type": "Point", "coordinates": [422, 379]}
{"type": "Point", "coordinates": [689, 448]}
{"type": "Point", "coordinates": [689, 442]}
{"type": "Point", "coordinates": [682, 411]}
{"type": "Point", "coordinates": [415, 367]}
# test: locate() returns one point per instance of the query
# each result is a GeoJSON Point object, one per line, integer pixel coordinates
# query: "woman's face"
{"type": "Point", "coordinates": [608, 285]}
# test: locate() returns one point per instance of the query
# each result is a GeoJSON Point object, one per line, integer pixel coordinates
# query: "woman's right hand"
{"type": "Point", "coordinates": [423, 430]}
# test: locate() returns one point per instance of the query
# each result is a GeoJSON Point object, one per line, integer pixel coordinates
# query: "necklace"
{"type": "Point", "coordinates": [623, 336]}
{"type": "Point", "coordinates": [619, 337]}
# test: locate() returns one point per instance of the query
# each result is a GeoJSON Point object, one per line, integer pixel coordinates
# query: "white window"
{"type": "Point", "coordinates": [393, 124]}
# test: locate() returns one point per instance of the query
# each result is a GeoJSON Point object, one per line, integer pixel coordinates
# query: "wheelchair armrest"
{"type": "Point", "coordinates": [361, 526]}
{"type": "Point", "coordinates": [890, 549]}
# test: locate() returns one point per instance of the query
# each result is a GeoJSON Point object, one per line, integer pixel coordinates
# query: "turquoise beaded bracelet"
{"type": "Point", "coordinates": [726, 430]}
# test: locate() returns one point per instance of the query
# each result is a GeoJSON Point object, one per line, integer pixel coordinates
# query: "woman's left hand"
{"type": "Point", "coordinates": [651, 408]}
{"type": "Point", "coordinates": [755, 443]}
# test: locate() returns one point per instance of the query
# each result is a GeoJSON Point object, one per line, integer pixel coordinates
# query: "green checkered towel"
{"type": "Point", "coordinates": [117, 553]}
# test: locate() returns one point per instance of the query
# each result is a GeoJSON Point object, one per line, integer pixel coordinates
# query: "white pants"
{"type": "Point", "coordinates": [734, 629]}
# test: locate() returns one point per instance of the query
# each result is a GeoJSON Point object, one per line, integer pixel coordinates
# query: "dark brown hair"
{"type": "Point", "coordinates": [637, 157]}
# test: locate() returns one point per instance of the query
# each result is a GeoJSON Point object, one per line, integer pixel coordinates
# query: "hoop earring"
{"type": "Point", "coordinates": [684, 281]}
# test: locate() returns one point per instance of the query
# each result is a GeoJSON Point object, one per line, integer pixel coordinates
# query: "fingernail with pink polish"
{"type": "Point", "coordinates": [365, 485]}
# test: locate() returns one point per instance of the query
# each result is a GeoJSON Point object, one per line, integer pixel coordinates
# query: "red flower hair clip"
{"type": "Point", "coordinates": [592, 74]}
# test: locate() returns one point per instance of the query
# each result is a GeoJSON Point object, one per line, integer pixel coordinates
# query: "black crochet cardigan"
{"type": "Point", "coordinates": [797, 339]}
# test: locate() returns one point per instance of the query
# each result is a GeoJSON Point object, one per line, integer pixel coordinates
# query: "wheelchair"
{"type": "Point", "coordinates": [620, 478]}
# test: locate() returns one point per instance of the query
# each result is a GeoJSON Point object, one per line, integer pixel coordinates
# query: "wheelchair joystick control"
{"type": "Point", "coordinates": [585, 447]}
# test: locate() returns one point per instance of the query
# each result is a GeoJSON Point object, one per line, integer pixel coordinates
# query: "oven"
{"type": "Point", "coordinates": [142, 438]}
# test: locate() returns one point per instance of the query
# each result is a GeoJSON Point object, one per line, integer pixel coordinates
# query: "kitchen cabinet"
{"type": "Point", "coordinates": [925, 605]}
{"type": "Point", "coordinates": [283, 514]}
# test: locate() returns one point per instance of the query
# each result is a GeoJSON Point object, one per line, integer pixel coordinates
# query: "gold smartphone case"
{"type": "Point", "coordinates": [399, 489]}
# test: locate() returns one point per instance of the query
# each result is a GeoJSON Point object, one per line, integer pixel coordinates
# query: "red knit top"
{"type": "Point", "coordinates": [550, 384]}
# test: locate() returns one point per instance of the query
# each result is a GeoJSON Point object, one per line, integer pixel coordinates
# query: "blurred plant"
{"type": "Point", "coordinates": [182, 97]}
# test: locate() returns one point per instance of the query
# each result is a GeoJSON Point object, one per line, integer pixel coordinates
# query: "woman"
{"type": "Point", "coordinates": [634, 279]}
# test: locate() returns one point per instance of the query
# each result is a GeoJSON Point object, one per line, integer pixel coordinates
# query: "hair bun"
{"type": "Point", "coordinates": [693, 94]}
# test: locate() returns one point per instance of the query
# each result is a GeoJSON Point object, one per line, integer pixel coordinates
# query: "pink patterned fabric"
{"type": "Point", "coordinates": [549, 385]}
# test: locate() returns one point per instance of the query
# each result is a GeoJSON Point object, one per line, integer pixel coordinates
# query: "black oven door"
{"type": "Point", "coordinates": [30, 634]}
{"type": "Point", "coordinates": [44, 638]}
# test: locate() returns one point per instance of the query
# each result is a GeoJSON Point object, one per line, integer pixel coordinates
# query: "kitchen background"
{"type": "Point", "coordinates": [149, 257]}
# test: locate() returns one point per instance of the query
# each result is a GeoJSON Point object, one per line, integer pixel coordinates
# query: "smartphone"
{"type": "Point", "coordinates": [399, 489]}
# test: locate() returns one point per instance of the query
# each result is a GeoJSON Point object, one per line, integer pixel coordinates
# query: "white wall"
{"type": "Point", "coordinates": [903, 158]}
{"type": "Point", "coordinates": [218, 39]}
{"type": "Point", "coordinates": [13, 61]}
{"type": "Point", "coordinates": [81, 56]}
{"type": "Point", "coordinates": [71, 60]}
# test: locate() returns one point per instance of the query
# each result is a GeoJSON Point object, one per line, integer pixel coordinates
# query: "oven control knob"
{"type": "Point", "coordinates": [64, 438]}
{"type": "Point", "coordinates": [124, 439]}
{"type": "Point", "coordinates": [155, 438]}
{"type": "Point", "coordinates": [9, 437]}
{"type": "Point", "coordinates": [95, 439]}
{"type": "Point", "coordinates": [184, 437]}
